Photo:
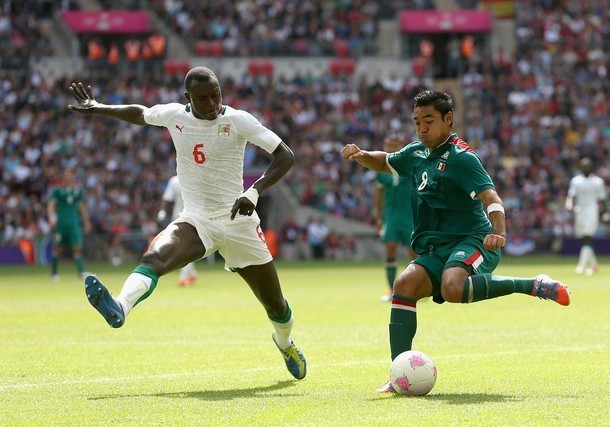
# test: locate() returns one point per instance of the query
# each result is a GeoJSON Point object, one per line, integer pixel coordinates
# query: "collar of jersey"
{"type": "Point", "coordinates": [449, 139]}
{"type": "Point", "coordinates": [223, 109]}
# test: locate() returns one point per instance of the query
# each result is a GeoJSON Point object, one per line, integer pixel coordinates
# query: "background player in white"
{"type": "Point", "coordinates": [586, 196]}
{"type": "Point", "coordinates": [172, 199]}
{"type": "Point", "coordinates": [210, 140]}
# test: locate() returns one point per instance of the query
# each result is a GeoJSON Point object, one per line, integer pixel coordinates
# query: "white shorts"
{"type": "Point", "coordinates": [241, 242]}
{"type": "Point", "coordinates": [585, 223]}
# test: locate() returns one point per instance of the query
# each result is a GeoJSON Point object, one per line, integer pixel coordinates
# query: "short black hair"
{"type": "Point", "coordinates": [199, 74]}
{"type": "Point", "coordinates": [441, 101]}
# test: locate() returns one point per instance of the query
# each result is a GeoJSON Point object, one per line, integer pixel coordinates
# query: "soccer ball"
{"type": "Point", "coordinates": [413, 373]}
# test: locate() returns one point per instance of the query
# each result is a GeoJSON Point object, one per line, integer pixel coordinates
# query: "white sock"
{"type": "Point", "coordinates": [191, 269]}
{"type": "Point", "coordinates": [282, 333]}
{"type": "Point", "coordinates": [593, 258]}
{"type": "Point", "coordinates": [184, 273]}
{"type": "Point", "coordinates": [134, 287]}
{"type": "Point", "coordinates": [590, 258]}
{"type": "Point", "coordinates": [582, 258]}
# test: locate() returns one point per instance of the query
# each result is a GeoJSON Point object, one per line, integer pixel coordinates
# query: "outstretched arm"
{"type": "Point", "coordinates": [86, 104]}
{"type": "Point", "coordinates": [283, 159]}
{"type": "Point", "coordinates": [374, 160]}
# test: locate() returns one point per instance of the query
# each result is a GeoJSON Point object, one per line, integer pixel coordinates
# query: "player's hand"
{"type": "Point", "coordinates": [494, 241]}
{"type": "Point", "coordinates": [85, 101]}
{"type": "Point", "coordinates": [351, 152]}
{"type": "Point", "coordinates": [244, 206]}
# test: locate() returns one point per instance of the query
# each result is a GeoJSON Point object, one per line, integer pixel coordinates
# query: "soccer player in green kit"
{"type": "Point", "coordinates": [459, 223]}
{"type": "Point", "coordinates": [393, 213]}
{"type": "Point", "coordinates": [64, 208]}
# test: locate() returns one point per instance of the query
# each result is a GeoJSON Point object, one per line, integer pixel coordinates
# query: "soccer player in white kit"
{"type": "Point", "coordinates": [586, 195]}
{"type": "Point", "coordinates": [210, 139]}
{"type": "Point", "coordinates": [172, 199]}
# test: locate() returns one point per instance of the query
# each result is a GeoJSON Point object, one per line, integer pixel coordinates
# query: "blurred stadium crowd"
{"type": "Point", "coordinates": [530, 116]}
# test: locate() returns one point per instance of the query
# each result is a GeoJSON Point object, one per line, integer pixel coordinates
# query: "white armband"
{"type": "Point", "coordinates": [251, 194]}
{"type": "Point", "coordinates": [495, 207]}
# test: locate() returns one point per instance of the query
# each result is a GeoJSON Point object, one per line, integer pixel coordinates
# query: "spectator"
{"type": "Point", "coordinates": [289, 239]}
{"type": "Point", "coordinates": [317, 232]}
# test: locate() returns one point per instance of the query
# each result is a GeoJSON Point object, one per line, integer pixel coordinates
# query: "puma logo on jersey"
{"type": "Point", "coordinates": [179, 128]}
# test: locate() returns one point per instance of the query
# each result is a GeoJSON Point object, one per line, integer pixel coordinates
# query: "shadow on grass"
{"type": "Point", "coordinates": [464, 398]}
{"type": "Point", "coordinates": [467, 398]}
{"type": "Point", "coordinates": [235, 393]}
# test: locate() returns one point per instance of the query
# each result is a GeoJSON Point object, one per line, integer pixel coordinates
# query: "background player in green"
{"type": "Point", "coordinates": [65, 210]}
{"type": "Point", "coordinates": [459, 223]}
{"type": "Point", "coordinates": [393, 214]}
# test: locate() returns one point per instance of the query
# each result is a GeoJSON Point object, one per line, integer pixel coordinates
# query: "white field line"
{"type": "Point", "coordinates": [269, 368]}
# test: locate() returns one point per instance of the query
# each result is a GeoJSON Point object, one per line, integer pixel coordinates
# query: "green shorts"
{"type": "Point", "coordinates": [68, 235]}
{"type": "Point", "coordinates": [467, 253]}
{"type": "Point", "coordinates": [397, 231]}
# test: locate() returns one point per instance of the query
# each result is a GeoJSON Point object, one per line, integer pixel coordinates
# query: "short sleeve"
{"type": "Point", "coordinates": [477, 179]}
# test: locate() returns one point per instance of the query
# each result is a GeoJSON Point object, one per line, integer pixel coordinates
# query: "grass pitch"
{"type": "Point", "coordinates": [204, 355]}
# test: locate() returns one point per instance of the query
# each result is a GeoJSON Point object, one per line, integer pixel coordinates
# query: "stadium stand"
{"type": "Point", "coordinates": [530, 113]}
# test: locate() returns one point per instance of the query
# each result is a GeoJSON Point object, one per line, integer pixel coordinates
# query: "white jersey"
{"type": "Point", "coordinates": [210, 153]}
{"type": "Point", "coordinates": [586, 192]}
{"type": "Point", "coordinates": [173, 195]}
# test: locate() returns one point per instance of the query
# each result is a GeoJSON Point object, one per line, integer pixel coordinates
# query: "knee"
{"type": "Point", "coordinates": [451, 290]}
{"type": "Point", "coordinates": [405, 287]}
{"type": "Point", "coordinates": [413, 283]}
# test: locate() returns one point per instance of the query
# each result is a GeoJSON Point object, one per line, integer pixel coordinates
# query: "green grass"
{"type": "Point", "coordinates": [204, 356]}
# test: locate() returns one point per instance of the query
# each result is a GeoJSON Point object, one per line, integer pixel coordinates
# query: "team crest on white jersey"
{"type": "Point", "coordinates": [224, 130]}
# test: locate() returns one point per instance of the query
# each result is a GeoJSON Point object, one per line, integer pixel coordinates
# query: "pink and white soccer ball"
{"type": "Point", "coordinates": [413, 373]}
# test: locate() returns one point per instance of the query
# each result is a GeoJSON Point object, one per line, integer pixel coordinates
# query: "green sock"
{"type": "Point", "coordinates": [284, 319]}
{"type": "Point", "coordinates": [148, 272]}
{"type": "Point", "coordinates": [80, 268]}
{"type": "Point", "coordinates": [480, 287]}
{"type": "Point", "coordinates": [54, 263]}
{"type": "Point", "coordinates": [403, 324]}
{"type": "Point", "coordinates": [390, 271]}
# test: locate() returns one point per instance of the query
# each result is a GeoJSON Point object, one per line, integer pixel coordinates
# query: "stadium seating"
{"type": "Point", "coordinates": [528, 123]}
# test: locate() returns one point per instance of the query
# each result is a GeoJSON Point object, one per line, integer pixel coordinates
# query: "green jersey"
{"type": "Point", "coordinates": [397, 208]}
{"type": "Point", "coordinates": [397, 191]}
{"type": "Point", "coordinates": [447, 181]}
{"type": "Point", "coordinates": [67, 201]}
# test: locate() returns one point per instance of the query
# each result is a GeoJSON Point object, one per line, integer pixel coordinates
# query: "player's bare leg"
{"type": "Point", "coordinates": [264, 282]}
{"type": "Point", "coordinates": [390, 269]}
{"type": "Point", "coordinates": [173, 248]}
{"type": "Point", "coordinates": [56, 255]}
